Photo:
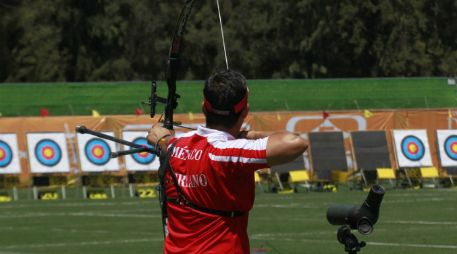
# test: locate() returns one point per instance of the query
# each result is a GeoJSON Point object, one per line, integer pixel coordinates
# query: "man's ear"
{"type": "Point", "coordinates": [245, 111]}
{"type": "Point", "coordinates": [203, 108]}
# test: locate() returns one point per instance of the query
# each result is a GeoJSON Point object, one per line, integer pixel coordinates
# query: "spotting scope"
{"type": "Point", "coordinates": [357, 217]}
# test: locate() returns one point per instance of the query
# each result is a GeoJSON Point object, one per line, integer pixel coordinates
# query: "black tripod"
{"type": "Point", "coordinates": [350, 241]}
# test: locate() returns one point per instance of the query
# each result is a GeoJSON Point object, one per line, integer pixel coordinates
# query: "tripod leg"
{"type": "Point", "coordinates": [349, 240]}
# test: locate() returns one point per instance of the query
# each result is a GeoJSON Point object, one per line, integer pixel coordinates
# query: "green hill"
{"type": "Point", "coordinates": [25, 99]}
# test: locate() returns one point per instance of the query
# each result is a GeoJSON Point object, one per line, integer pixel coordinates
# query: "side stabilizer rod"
{"type": "Point", "coordinates": [137, 147]}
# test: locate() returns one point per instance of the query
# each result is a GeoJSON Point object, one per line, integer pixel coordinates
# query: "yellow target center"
{"type": "Point", "coordinates": [413, 148]}
{"type": "Point", "coordinates": [98, 152]}
{"type": "Point", "coordinates": [48, 152]}
{"type": "Point", "coordinates": [2, 154]}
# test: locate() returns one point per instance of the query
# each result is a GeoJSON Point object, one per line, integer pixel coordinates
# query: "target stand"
{"type": "Point", "coordinates": [49, 164]}
{"type": "Point", "coordinates": [100, 173]}
{"type": "Point", "coordinates": [10, 167]}
{"type": "Point", "coordinates": [412, 152]}
{"type": "Point", "coordinates": [100, 186]}
{"type": "Point", "coordinates": [409, 177]}
{"type": "Point", "coordinates": [143, 184]}
{"type": "Point", "coordinates": [8, 188]}
{"type": "Point", "coordinates": [370, 153]}
{"type": "Point", "coordinates": [447, 148]}
{"type": "Point", "coordinates": [452, 175]}
{"type": "Point", "coordinates": [49, 187]}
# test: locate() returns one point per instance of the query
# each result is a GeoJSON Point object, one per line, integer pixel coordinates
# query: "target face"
{"type": "Point", "coordinates": [144, 157]}
{"type": "Point", "coordinates": [48, 152]}
{"type": "Point", "coordinates": [412, 148]}
{"type": "Point", "coordinates": [6, 154]}
{"type": "Point", "coordinates": [139, 161]}
{"type": "Point", "coordinates": [447, 147]}
{"type": "Point", "coordinates": [97, 151]}
{"type": "Point", "coordinates": [9, 154]}
{"type": "Point", "coordinates": [450, 147]}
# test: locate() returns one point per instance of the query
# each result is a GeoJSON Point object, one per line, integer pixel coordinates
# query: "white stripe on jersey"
{"type": "Point", "coordinates": [237, 159]}
{"type": "Point", "coordinates": [245, 144]}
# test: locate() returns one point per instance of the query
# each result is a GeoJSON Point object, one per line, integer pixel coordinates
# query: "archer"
{"type": "Point", "coordinates": [207, 198]}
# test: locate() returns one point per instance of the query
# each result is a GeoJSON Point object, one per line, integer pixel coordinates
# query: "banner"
{"type": "Point", "coordinates": [412, 148]}
{"type": "Point", "coordinates": [303, 122]}
{"type": "Point", "coordinates": [9, 154]}
{"type": "Point", "coordinates": [139, 161]}
{"type": "Point", "coordinates": [47, 152]}
{"type": "Point", "coordinates": [95, 153]}
{"type": "Point", "coordinates": [447, 147]}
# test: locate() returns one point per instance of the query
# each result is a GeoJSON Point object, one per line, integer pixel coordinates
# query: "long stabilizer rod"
{"type": "Point", "coordinates": [138, 148]}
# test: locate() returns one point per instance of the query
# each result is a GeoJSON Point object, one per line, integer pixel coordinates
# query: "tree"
{"type": "Point", "coordinates": [87, 40]}
{"type": "Point", "coordinates": [36, 55]}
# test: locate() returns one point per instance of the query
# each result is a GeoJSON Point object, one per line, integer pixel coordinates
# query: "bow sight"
{"type": "Point", "coordinates": [170, 103]}
{"type": "Point", "coordinates": [152, 102]}
{"type": "Point", "coordinates": [153, 99]}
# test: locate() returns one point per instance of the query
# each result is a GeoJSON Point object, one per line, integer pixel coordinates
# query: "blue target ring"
{"type": "Point", "coordinates": [412, 148]}
{"type": "Point", "coordinates": [144, 158]}
{"type": "Point", "coordinates": [97, 151]}
{"type": "Point", "coordinates": [450, 147]}
{"type": "Point", "coordinates": [48, 152]}
{"type": "Point", "coordinates": [6, 154]}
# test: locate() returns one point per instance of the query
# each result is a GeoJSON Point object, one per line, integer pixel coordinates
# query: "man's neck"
{"type": "Point", "coordinates": [234, 131]}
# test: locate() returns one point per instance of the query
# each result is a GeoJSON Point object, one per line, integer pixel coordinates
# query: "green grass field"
{"type": "Point", "coordinates": [411, 222]}
{"type": "Point", "coordinates": [266, 95]}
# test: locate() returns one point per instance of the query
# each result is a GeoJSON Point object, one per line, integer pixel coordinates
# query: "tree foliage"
{"type": "Point", "coordinates": [94, 40]}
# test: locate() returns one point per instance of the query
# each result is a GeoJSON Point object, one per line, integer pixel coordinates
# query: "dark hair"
{"type": "Point", "coordinates": [223, 90]}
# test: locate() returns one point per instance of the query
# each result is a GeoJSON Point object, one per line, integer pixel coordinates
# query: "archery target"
{"type": "Point", "coordinates": [412, 148]}
{"type": "Point", "coordinates": [95, 153]}
{"type": "Point", "coordinates": [6, 154]}
{"type": "Point", "coordinates": [143, 157]}
{"type": "Point", "coordinates": [48, 152]}
{"type": "Point", "coordinates": [9, 159]}
{"type": "Point", "coordinates": [450, 147]}
{"type": "Point", "coordinates": [140, 161]}
{"type": "Point", "coordinates": [447, 147]}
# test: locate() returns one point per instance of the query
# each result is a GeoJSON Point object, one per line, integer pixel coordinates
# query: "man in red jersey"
{"type": "Point", "coordinates": [210, 179]}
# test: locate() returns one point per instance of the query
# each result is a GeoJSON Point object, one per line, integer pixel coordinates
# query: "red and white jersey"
{"type": "Point", "coordinates": [216, 171]}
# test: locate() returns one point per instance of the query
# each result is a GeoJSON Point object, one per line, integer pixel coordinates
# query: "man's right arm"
{"type": "Point", "coordinates": [282, 147]}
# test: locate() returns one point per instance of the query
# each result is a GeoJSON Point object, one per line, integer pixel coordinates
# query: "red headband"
{"type": "Point", "coordinates": [237, 108]}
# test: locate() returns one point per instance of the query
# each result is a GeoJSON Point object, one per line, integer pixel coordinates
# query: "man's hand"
{"type": "Point", "coordinates": [159, 136]}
